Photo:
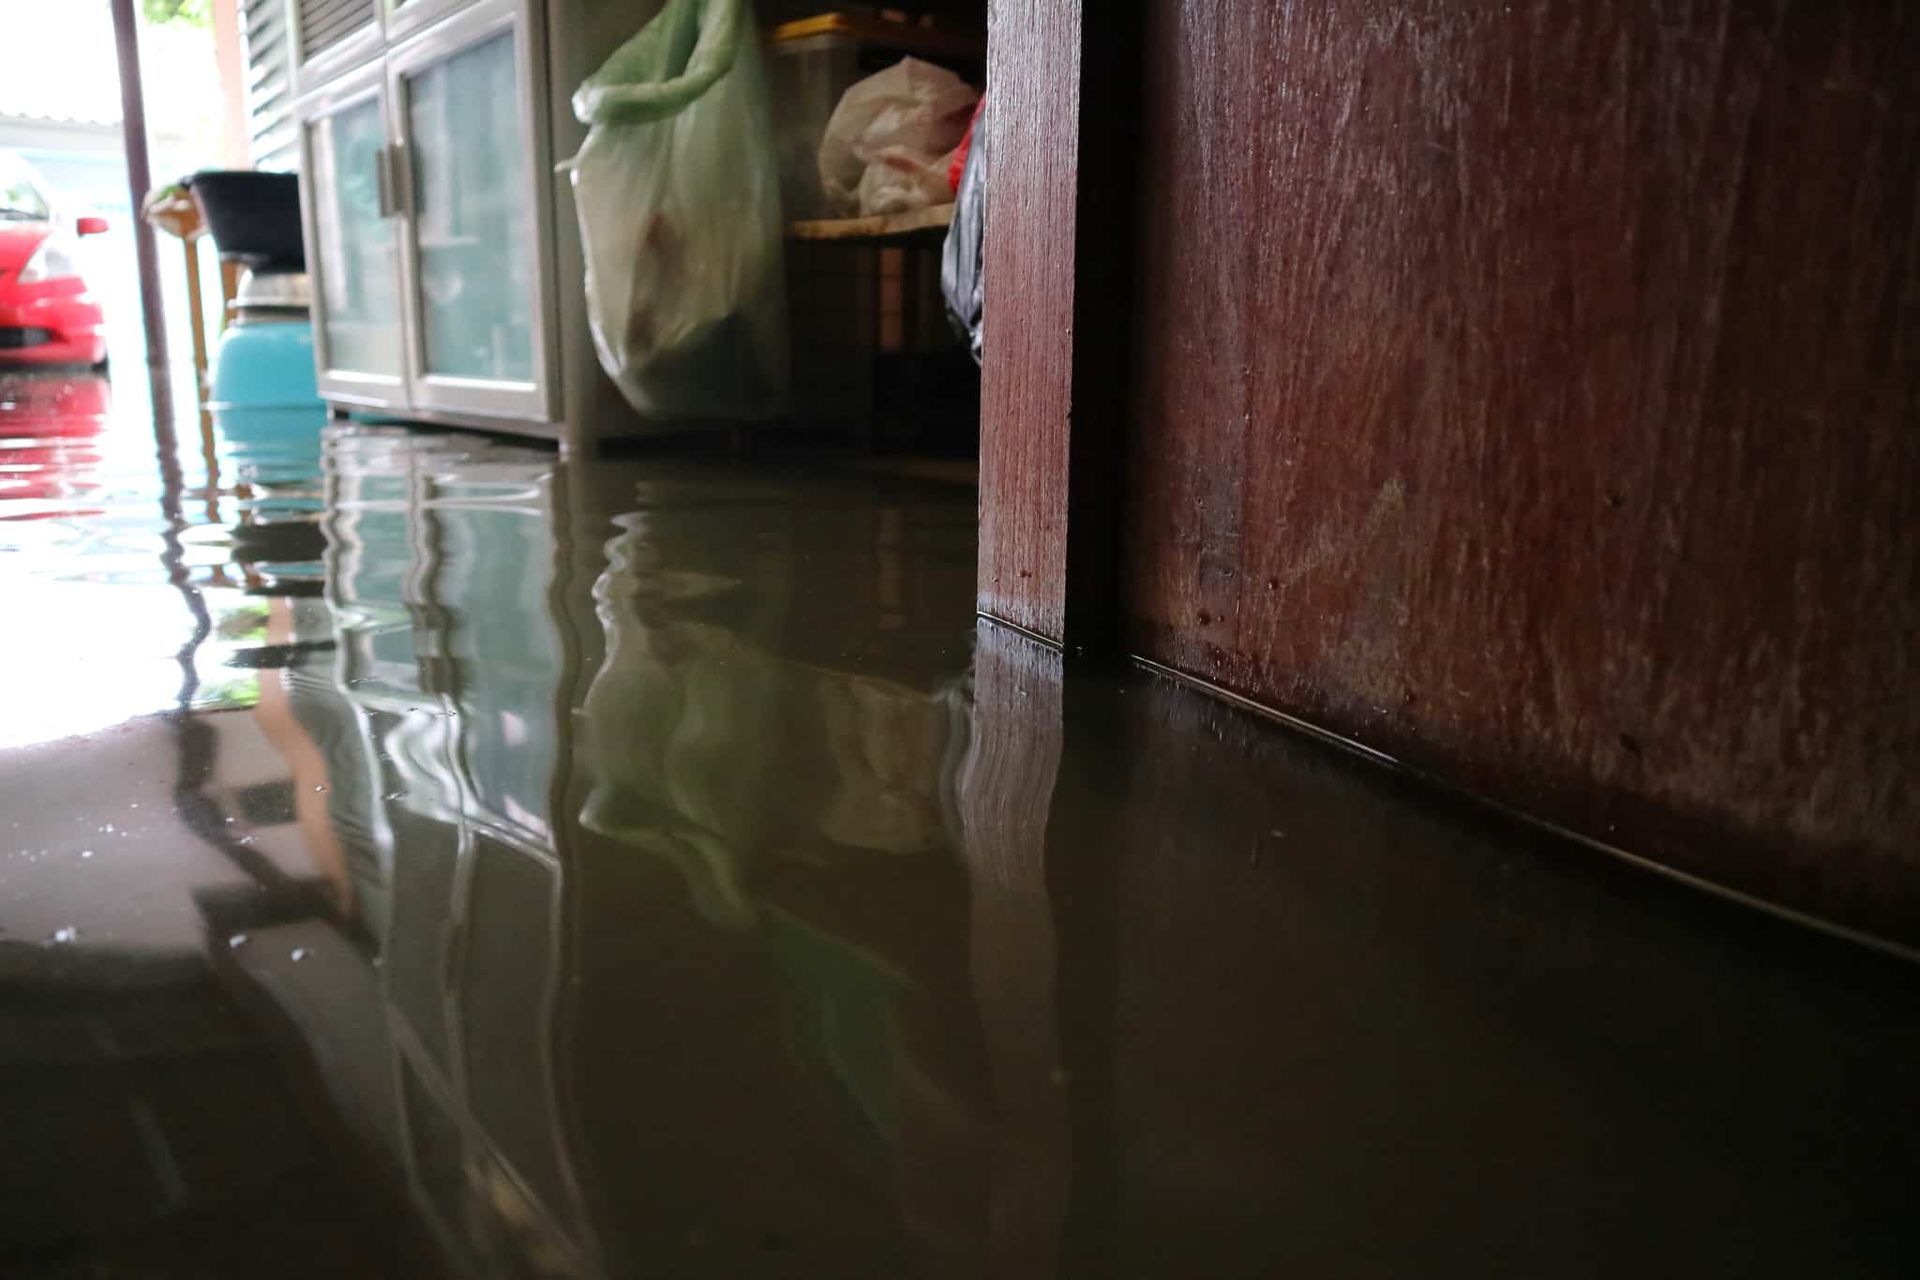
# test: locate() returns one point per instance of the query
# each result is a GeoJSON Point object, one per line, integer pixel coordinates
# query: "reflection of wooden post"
{"type": "Point", "coordinates": [210, 453]}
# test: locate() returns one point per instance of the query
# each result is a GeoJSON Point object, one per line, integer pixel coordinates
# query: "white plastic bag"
{"type": "Point", "coordinates": [963, 257]}
{"type": "Point", "coordinates": [885, 149]}
{"type": "Point", "coordinates": [678, 192]}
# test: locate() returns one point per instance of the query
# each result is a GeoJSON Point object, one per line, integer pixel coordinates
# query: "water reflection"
{"type": "Point", "coordinates": [50, 423]}
{"type": "Point", "coordinates": [710, 746]}
{"type": "Point", "coordinates": [433, 717]}
{"type": "Point", "coordinates": [769, 739]}
{"type": "Point", "coordinates": [722, 755]}
{"type": "Point", "coordinates": [94, 555]}
{"type": "Point", "coordinates": [652, 868]}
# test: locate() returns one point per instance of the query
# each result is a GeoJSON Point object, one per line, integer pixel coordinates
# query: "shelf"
{"type": "Point", "coordinates": [885, 228]}
{"type": "Point", "coordinates": [886, 33]}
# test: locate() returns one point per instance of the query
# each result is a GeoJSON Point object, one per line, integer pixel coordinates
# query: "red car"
{"type": "Point", "coordinates": [47, 315]}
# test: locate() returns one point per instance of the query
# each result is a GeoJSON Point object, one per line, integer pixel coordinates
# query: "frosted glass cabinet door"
{"type": "Point", "coordinates": [474, 238]}
{"type": "Point", "coordinates": [361, 351]}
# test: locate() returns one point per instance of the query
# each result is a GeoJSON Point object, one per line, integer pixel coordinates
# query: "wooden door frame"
{"type": "Point", "coordinates": [1060, 128]}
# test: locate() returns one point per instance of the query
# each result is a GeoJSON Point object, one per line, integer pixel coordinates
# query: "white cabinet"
{"type": "Point", "coordinates": [429, 207]}
{"type": "Point", "coordinates": [473, 221]}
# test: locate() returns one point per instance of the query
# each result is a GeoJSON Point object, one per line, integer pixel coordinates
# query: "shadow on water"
{"type": "Point", "coordinates": [425, 856]}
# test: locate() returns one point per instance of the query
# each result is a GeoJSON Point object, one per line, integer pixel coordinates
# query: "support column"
{"type": "Point", "coordinates": [133, 123]}
{"type": "Point", "coordinates": [1062, 91]}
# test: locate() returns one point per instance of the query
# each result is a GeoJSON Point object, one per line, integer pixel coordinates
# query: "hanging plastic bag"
{"type": "Point", "coordinates": [678, 192]}
{"type": "Point", "coordinates": [887, 143]}
{"type": "Point", "coordinates": [964, 254]}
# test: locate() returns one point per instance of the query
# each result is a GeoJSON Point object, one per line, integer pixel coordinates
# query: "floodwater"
{"type": "Point", "coordinates": [420, 856]}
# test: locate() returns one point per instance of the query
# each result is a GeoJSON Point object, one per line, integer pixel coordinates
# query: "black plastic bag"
{"type": "Point", "coordinates": [962, 260]}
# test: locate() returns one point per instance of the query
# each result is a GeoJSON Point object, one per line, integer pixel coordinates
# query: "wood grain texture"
{"type": "Point", "coordinates": [1061, 121]}
{"type": "Point", "coordinates": [1529, 391]}
{"type": "Point", "coordinates": [1031, 125]}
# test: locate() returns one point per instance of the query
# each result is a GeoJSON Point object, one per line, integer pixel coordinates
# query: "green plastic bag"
{"type": "Point", "coordinates": [678, 191]}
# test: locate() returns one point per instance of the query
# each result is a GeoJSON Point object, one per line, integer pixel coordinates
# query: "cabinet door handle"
{"type": "Point", "coordinates": [383, 182]}
{"type": "Point", "coordinates": [400, 181]}
{"type": "Point", "coordinates": [393, 182]}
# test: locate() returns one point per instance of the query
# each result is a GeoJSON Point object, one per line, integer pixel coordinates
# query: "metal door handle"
{"type": "Point", "coordinates": [392, 181]}
{"type": "Point", "coordinates": [383, 182]}
{"type": "Point", "coordinates": [400, 179]}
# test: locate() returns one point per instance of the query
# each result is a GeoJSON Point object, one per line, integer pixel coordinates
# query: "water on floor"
{"type": "Point", "coordinates": [420, 856]}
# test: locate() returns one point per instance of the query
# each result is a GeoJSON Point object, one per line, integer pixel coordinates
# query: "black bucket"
{"type": "Point", "coordinates": [254, 217]}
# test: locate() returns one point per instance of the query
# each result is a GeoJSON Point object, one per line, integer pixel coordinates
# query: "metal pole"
{"type": "Point", "coordinates": [133, 125]}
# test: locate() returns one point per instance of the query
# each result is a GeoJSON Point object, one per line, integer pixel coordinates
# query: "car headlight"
{"type": "Point", "coordinates": [51, 261]}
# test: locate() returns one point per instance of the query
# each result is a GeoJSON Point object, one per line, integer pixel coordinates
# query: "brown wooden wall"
{"type": "Point", "coordinates": [1526, 390]}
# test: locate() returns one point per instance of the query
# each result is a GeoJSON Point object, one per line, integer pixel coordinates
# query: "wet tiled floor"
{"type": "Point", "coordinates": [421, 856]}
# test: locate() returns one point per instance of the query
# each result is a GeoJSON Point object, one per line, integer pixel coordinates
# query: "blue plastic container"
{"type": "Point", "coordinates": [261, 384]}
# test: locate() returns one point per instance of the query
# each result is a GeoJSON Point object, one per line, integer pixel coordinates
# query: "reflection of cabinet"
{"type": "Point", "coordinates": [428, 217]}
{"type": "Point", "coordinates": [447, 652]}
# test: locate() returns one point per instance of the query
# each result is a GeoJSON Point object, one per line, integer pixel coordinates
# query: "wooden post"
{"type": "Point", "coordinates": [1061, 104]}
{"type": "Point", "coordinates": [176, 212]}
{"type": "Point", "coordinates": [197, 318]}
{"type": "Point", "coordinates": [229, 290]}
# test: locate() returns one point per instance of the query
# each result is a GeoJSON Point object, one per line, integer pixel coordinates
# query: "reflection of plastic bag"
{"type": "Point", "coordinates": [963, 257]}
{"type": "Point", "coordinates": [678, 192]}
{"type": "Point", "coordinates": [706, 746]}
{"type": "Point", "coordinates": [885, 148]}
